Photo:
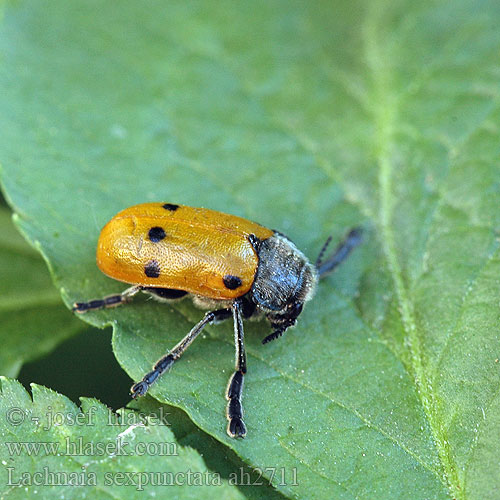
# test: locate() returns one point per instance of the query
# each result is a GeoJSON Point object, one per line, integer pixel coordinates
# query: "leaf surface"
{"type": "Point", "coordinates": [310, 118]}
{"type": "Point", "coordinates": [50, 448]}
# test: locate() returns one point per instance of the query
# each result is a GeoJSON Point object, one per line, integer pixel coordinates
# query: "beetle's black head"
{"type": "Point", "coordinates": [285, 279]}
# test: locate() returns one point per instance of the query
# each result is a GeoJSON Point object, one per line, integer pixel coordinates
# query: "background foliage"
{"type": "Point", "coordinates": [309, 118]}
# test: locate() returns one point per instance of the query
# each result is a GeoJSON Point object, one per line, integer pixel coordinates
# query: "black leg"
{"type": "Point", "coordinates": [164, 363]}
{"type": "Point", "coordinates": [273, 336]}
{"type": "Point", "coordinates": [236, 426]}
{"type": "Point", "coordinates": [283, 320]}
{"type": "Point", "coordinates": [165, 294]}
{"type": "Point", "coordinates": [352, 240]}
{"type": "Point", "coordinates": [106, 302]}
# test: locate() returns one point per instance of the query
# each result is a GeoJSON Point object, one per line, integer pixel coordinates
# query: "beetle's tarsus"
{"type": "Point", "coordinates": [139, 389]}
{"type": "Point", "coordinates": [236, 428]}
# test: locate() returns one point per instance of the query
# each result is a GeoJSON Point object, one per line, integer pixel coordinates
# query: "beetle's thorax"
{"type": "Point", "coordinates": [285, 278]}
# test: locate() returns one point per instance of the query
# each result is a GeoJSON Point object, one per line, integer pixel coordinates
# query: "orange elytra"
{"type": "Point", "coordinates": [182, 248]}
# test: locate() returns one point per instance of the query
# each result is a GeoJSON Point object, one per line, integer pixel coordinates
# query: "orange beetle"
{"type": "Point", "coordinates": [236, 267]}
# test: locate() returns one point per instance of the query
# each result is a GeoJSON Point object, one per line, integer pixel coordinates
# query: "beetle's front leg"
{"type": "Point", "coordinates": [236, 427]}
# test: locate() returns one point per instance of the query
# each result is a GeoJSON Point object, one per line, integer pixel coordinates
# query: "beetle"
{"type": "Point", "coordinates": [234, 267]}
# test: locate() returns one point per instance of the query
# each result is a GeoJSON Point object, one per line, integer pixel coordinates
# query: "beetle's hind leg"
{"type": "Point", "coordinates": [106, 302]}
{"type": "Point", "coordinates": [164, 363]}
{"type": "Point", "coordinates": [164, 294]}
{"type": "Point", "coordinates": [236, 427]}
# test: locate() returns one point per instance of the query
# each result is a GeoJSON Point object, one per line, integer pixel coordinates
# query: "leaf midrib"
{"type": "Point", "coordinates": [385, 112]}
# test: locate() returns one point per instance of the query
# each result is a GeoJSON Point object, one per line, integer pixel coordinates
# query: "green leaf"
{"type": "Point", "coordinates": [309, 117]}
{"type": "Point", "coordinates": [53, 449]}
{"type": "Point", "coordinates": [29, 304]}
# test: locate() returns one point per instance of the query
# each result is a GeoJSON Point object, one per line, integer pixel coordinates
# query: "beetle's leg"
{"type": "Point", "coordinates": [109, 301]}
{"type": "Point", "coordinates": [273, 336]}
{"type": "Point", "coordinates": [164, 294]}
{"type": "Point", "coordinates": [236, 426]}
{"type": "Point", "coordinates": [282, 320]}
{"type": "Point", "coordinates": [352, 240]}
{"type": "Point", "coordinates": [164, 363]}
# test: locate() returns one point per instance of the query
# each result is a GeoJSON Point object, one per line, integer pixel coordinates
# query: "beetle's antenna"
{"type": "Point", "coordinates": [322, 251]}
{"type": "Point", "coordinates": [352, 240]}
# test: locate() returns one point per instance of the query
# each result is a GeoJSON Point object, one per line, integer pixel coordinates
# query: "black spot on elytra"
{"type": "Point", "coordinates": [231, 282]}
{"type": "Point", "coordinates": [170, 206]}
{"type": "Point", "coordinates": [152, 269]}
{"type": "Point", "coordinates": [156, 234]}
